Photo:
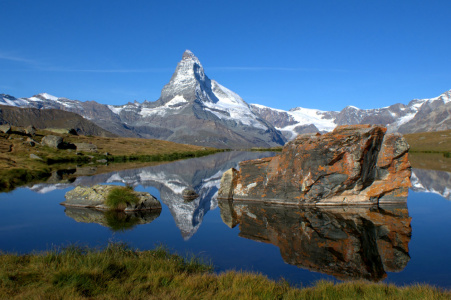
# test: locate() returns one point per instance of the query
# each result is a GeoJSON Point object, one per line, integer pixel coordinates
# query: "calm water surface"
{"type": "Point", "coordinates": [403, 244]}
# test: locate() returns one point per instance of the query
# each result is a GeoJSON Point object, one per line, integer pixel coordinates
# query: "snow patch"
{"type": "Point", "coordinates": [116, 109]}
{"type": "Point", "coordinates": [232, 107]}
{"type": "Point", "coordinates": [49, 97]}
{"type": "Point", "coordinates": [177, 100]}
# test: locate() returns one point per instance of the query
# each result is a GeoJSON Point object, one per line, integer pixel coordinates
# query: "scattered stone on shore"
{"type": "Point", "coordinates": [95, 197]}
{"type": "Point", "coordinates": [86, 147]}
{"type": "Point", "coordinates": [63, 130]}
{"type": "Point", "coordinates": [31, 142]}
{"type": "Point", "coordinates": [5, 128]}
{"type": "Point", "coordinates": [34, 156]}
{"type": "Point", "coordinates": [52, 141]}
{"type": "Point", "coordinates": [354, 164]}
{"type": "Point", "coordinates": [30, 130]}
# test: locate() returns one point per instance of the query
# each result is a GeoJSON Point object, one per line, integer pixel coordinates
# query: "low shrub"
{"type": "Point", "coordinates": [118, 198]}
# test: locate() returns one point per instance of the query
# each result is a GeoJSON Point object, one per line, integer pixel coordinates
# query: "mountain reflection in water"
{"type": "Point", "coordinates": [203, 175]}
{"type": "Point", "coordinates": [346, 242]}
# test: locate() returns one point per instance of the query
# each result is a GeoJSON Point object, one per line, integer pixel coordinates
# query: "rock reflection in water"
{"type": "Point", "coordinates": [346, 242]}
{"type": "Point", "coordinates": [115, 220]}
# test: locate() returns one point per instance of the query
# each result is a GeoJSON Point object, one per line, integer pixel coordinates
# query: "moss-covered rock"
{"type": "Point", "coordinates": [96, 196]}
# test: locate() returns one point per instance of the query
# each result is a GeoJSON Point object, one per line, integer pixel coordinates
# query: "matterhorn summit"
{"type": "Point", "coordinates": [194, 109]}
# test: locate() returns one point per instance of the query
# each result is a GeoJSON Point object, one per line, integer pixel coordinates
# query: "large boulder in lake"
{"type": "Point", "coordinates": [354, 164]}
{"type": "Point", "coordinates": [95, 197]}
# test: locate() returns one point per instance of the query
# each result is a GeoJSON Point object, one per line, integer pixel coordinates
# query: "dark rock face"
{"type": "Point", "coordinates": [276, 117]}
{"type": "Point", "coordinates": [351, 243]}
{"type": "Point", "coordinates": [355, 164]}
{"type": "Point", "coordinates": [435, 116]}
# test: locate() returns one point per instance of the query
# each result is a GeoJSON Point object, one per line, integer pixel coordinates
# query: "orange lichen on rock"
{"type": "Point", "coordinates": [357, 164]}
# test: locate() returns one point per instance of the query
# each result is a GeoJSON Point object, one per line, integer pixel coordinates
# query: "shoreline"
{"type": "Point", "coordinates": [117, 271]}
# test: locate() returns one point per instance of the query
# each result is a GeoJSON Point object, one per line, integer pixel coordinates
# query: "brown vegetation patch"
{"type": "Point", "coordinates": [439, 141]}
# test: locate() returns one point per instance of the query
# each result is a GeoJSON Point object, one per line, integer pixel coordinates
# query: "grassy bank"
{"type": "Point", "coordinates": [118, 272]}
{"type": "Point", "coordinates": [430, 142]}
{"type": "Point", "coordinates": [21, 162]}
{"type": "Point", "coordinates": [430, 150]}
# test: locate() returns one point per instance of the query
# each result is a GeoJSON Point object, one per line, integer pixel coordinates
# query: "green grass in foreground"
{"type": "Point", "coordinates": [118, 272]}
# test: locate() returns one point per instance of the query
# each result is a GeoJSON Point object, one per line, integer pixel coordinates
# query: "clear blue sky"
{"type": "Point", "coordinates": [283, 54]}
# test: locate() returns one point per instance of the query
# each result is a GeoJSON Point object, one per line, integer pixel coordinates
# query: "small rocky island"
{"type": "Point", "coordinates": [354, 164]}
{"type": "Point", "coordinates": [96, 197]}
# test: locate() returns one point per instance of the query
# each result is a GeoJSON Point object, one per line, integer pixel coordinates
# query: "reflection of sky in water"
{"type": "Point", "coordinates": [34, 221]}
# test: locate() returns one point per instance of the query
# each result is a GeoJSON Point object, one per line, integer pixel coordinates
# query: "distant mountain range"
{"type": "Point", "coordinates": [194, 109]}
{"type": "Point", "coordinates": [418, 116]}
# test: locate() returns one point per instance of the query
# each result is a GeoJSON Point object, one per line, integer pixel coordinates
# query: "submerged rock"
{"type": "Point", "coordinates": [354, 164]}
{"type": "Point", "coordinates": [95, 197]}
{"type": "Point", "coordinates": [189, 194]}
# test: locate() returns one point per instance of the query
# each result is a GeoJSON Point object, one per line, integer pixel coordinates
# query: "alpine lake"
{"type": "Point", "coordinates": [398, 244]}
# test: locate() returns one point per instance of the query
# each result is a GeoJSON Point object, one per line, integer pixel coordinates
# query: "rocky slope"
{"type": "Point", "coordinates": [50, 118]}
{"type": "Point", "coordinates": [419, 115]}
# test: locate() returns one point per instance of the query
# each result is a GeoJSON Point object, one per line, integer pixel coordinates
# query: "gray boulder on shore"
{"type": "Point", "coordinates": [52, 141]}
{"type": "Point", "coordinates": [95, 197]}
{"type": "Point", "coordinates": [5, 128]}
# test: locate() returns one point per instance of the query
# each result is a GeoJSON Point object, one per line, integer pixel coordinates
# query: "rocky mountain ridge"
{"type": "Point", "coordinates": [50, 118]}
{"type": "Point", "coordinates": [195, 109]}
{"type": "Point", "coordinates": [419, 115]}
